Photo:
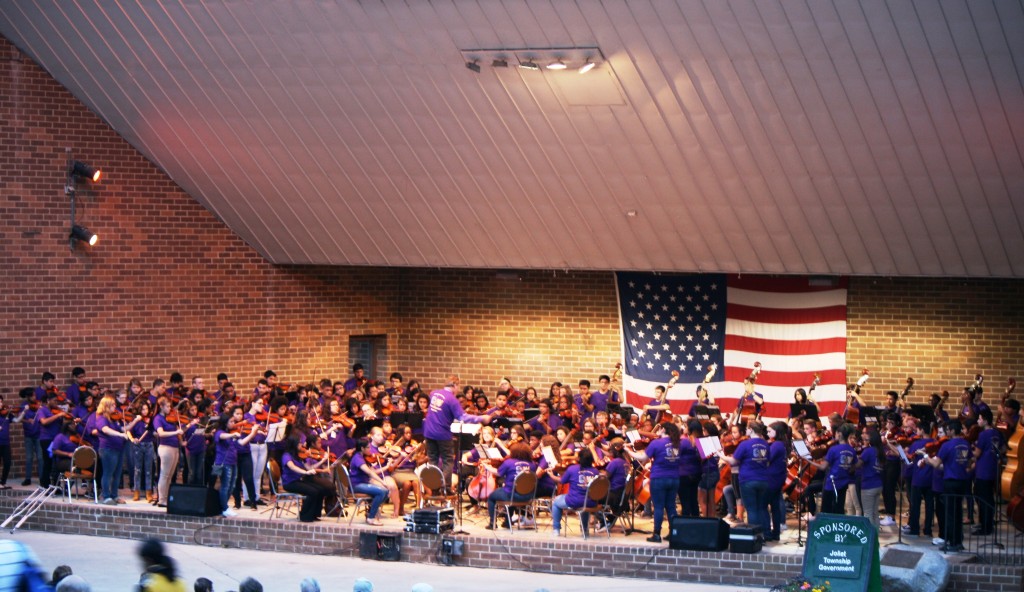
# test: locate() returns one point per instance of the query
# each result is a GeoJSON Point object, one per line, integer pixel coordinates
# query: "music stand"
{"type": "Point", "coordinates": [635, 469]}
{"type": "Point", "coordinates": [506, 422]}
{"type": "Point", "coordinates": [469, 433]}
{"type": "Point", "coordinates": [924, 413]}
{"type": "Point", "coordinates": [529, 414]}
{"type": "Point", "coordinates": [706, 447]}
{"type": "Point", "coordinates": [705, 412]}
{"type": "Point", "coordinates": [625, 412]}
{"type": "Point", "coordinates": [804, 455]}
{"type": "Point", "coordinates": [870, 415]}
{"type": "Point", "coordinates": [808, 411]}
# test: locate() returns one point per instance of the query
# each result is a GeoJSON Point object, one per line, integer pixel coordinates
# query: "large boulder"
{"type": "Point", "coordinates": [909, 569]}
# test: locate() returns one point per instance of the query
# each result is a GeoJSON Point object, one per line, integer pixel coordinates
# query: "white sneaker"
{"type": "Point", "coordinates": [886, 521]}
{"type": "Point", "coordinates": [808, 517]}
{"type": "Point", "coordinates": [556, 534]}
{"type": "Point", "coordinates": [937, 541]}
{"type": "Point", "coordinates": [229, 513]}
{"type": "Point", "coordinates": [515, 518]}
{"type": "Point", "coordinates": [783, 527]}
{"type": "Point", "coordinates": [905, 528]}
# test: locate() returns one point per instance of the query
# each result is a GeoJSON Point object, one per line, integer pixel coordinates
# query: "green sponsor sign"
{"type": "Point", "coordinates": [843, 550]}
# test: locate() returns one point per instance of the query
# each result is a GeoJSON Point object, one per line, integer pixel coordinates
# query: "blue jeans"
{"type": "Point", "coordinates": [196, 462]}
{"type": "Point", "coordinates": [143, 455]}
{"type": "Point", "coordinates": [111, 471]}
{"type": "Point", "coordinates": [32, 453]}
{"type": "Point", "coordinates": [378, 492]}
{"type": "Point", "coordinates": [663, 496]}
{"type": "Point", "coordinates": [756, 497]}
{"type": "Point", "coordinates": [227, 483]}
{"type": "Point", "coordinates": [558, 506]}
{"type": "Point", "coordinates": [503, 496]}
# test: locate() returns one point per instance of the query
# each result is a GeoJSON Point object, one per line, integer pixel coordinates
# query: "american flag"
{"type": "Point", "coordinates": [694, 324]}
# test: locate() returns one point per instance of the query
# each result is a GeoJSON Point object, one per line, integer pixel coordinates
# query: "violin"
{"type": "Point", "coordinates": [372, 459]}
{"type": "Point", "coordinates": [242, 427]}
{"type": "Point", "coordinates": [75, 439]}
{"type": "Point", "coordinates": [34, 406]}
{"type": "Point", "coordinates": [932, 448]}
{"type": "Point", "coordinates": [344, 420]}
{"type": "Point", "coordinates": [317, 454]}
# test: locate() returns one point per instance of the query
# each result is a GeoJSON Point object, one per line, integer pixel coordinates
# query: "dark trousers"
{"type": "Point", "coordinates": [5, 457]}
{"type": "Point", "coordinates": [44, 475]}
{"type": "Point", "coordinates": [890, 481]}
{"type": "Point", "coordinates": [833, 499]}
{"type": "Point", "coordinates": [917, 495]}
{"type": "Point", "coordinates": [244, 477]}
{"type": "Point", "coordinates": [442, 454]}
{"type": "Point", "coordinates": [688, 495]}
{"type": "Point", "coordinates": [955, 491]}
{"type": "Point", "coordinates": [985, 491]}
{"type": "Point", "coordinates": [815, 486]}
{"type": "Point", "coordinates": [940, 512]}
{"type": "Point", "coordinates": [313, 498]}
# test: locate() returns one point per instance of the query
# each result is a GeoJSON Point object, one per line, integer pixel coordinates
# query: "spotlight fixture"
{"type": "Point", "coordinates": [529, 65]}
{"type": "Point", "coordinates": [556, 65]}
{"type": "Point", "coordinates": [82, 233]}
{"type": "Point", "coordinates": [474, 66]}
{"type": "Point", "coordinates": [80, 169]}
{"type": "Point", "coordinates": [587, 67]}
{"type": "Point", "coordinates": [499, 63]}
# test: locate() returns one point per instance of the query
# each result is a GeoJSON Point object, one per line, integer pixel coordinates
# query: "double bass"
{"type": "Point", "coordinates": [1012, 477]}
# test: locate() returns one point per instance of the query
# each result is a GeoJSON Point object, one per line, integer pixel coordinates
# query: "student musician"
{"type": "Point", "coordinates": [953, 461]}
{"type": "Point", "coordinates": [520, 460]}
{"type": "Point", "coordinates": [838, 465]}
{"type": "Point", "coordinates": [227, 439]}
{"type": "Point", "coordinates": [297, 478]}
{"type": "Point", "coordinates": [919, 475]}
{"type": "Point", "coordinates": [752, 457]}
{"type": "Point", "coordinates": [365, 479]}
{"type": "Point", "coordinates": [112, 440]}
{"type": "Point", "coordinates": [751, 401]}
{"type": "Point", "coordinates": [578, 477]}
{"type": "Point", "coordinates": [664, 456]}
{"type": "Point", "coordinates": [987, 450]}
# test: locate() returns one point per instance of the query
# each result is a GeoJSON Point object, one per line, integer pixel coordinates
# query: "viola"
{"type": "Point", "coordinates": [317, 454]}
{"type": "Point", "coordinates": [372, 459]}
{"type": "Point", "coordinates": [344, 420]}
{"type": "Point", "coordinates": [932, 448]}
{"type": "Point", "coordinates": [75, 439]}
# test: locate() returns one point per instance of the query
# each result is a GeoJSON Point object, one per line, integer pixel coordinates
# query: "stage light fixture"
{"type": "Point", "coordinates": [556, 65]}
{"type": "Point", "coordinates": [529, 65]}
{"type": "Point", "coordinates": [83, 234]}
{"type": "Point", "coordinates": [499, 63]}
{"type": "Point", "coordinates": [474, 66]}
{"type": "Point", "coordinates": [80, 169]}
{"type": "Point", "coordinates": [587, 67]}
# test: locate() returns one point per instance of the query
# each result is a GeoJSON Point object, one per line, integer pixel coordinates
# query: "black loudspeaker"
{"type": "Point", "coordinates": [698, 534]}
{"type": "Point", "coordinates": [193, 500]}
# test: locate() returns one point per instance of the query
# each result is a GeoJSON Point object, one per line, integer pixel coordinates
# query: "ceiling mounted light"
{"type": "Point", "coordinates": [80, 169]}
{"type": "Point", "coordinates": [499, 63]}
{"type": "Point", "coordinates": [556, 65]}
{"type": "Point", "coordinates": [474, 66]}
{"type": "Point", "coordinates": [82, 233]}
{"type": "Point", "coordinates": [587, 67]}
{"type": "Point", "coordinates": [529, 65]}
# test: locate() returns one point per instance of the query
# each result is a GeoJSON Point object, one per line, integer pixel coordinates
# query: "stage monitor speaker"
{"type": "Point", "coordinates": [193, 500]}
{"type": "Point", "coordinates": [698, 534]}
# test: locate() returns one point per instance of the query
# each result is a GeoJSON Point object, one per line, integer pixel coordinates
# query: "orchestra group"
{"type": "Point", "coordinates": [703, 463]}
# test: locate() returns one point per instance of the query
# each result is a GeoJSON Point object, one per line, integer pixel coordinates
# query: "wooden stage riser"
{"type": "Point", "coordinates": [596, 557]}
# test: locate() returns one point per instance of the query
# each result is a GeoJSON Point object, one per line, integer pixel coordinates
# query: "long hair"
{"type": "Point", "coordinates": [672, 431]}
{"type": "Point", "coordinates": [106, 406]}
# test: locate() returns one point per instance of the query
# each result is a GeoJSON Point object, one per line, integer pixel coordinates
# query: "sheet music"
{"type": "Point", "coordinates": [276, 431]}
{"type": "Point", "coordinates": [459, 427]}
{"type": "Point", "coordinates": [493, 453]}
{"type": "Point", "coordinates": [549, 455]}
{"type": "Point", "coordinates": [903, 454]}
{"type": "Point", "coordinates": [633, 436]}
{"type": "Point", "coordinates": [708, 446]}
{"type": "Point", "coordinates": [801, 449]}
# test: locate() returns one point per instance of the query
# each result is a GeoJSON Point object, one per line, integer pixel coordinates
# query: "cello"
{"type": "Point", "coordinates": [663, 414]}
{"type": "Point", "coordinates": [851, 413]}
{"type": "Point", "coordinates": [1012, 477]}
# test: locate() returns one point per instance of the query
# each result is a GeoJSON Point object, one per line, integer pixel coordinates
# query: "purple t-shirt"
{"type": "Point", "coordinates": [777, 457]}
{"type": "Point", "coordinates": [987, 466]}
{"type": "Point", "coordinates": [161, 422]}
{"type": "Point", "coordinates": [48, 431]}
{"type": "Point", "coordinates": [288, 476]}
{"type": "Point", "coordinates": [919, 476]}
{"type": "Point", "coordinates": [752, 457]}
{"type": "Point", "coordinates": [63, 443]}
{"type": "Point", "coordinates": [107, 441]}
{"type": "Point", "coordinates": [956, 456]}
{"type": "Point", "coordinates": [578, 480]}
{"type": "Point", "coordinates": [872, 469]}
{"type": "Point", "coordinates": [444, 409]}
{"type": "Point", "coordinates": [841, 460]}
{"type": "Point", "coordinates": [356, 473]}
{"type": "Point", "coordinates": [689, 459]}
{"type": "Point", "coordinates": [227, 450]}
{"type": "Point", "coordinates": [195, 439]}
{"type": "Point", "coordinates": [510, 469]}
{"type": "Point", "coordinates": [664, 459]}
{"type": "Point", "coordinates": [616, 471]}
{"type": "Point", "coordinates": [29, 424]}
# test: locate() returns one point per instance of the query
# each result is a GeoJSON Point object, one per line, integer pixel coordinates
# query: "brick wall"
{"type": "Point", "coordinates": [594, 557]}
{"type": "Point", "coordinates": [171, 288]}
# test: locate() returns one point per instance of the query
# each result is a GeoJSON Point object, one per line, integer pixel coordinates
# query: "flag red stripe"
{"type": "Point", "coordinates": [728, 405]}
{"type": "Point", "coordinates": [786, 316]}
{"type": "Point", "coordinates": [794, 285]}
{"type": "Point", "coordinates": [769, 378]}
{"type": "Point", "coordinates": [776, 347]}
